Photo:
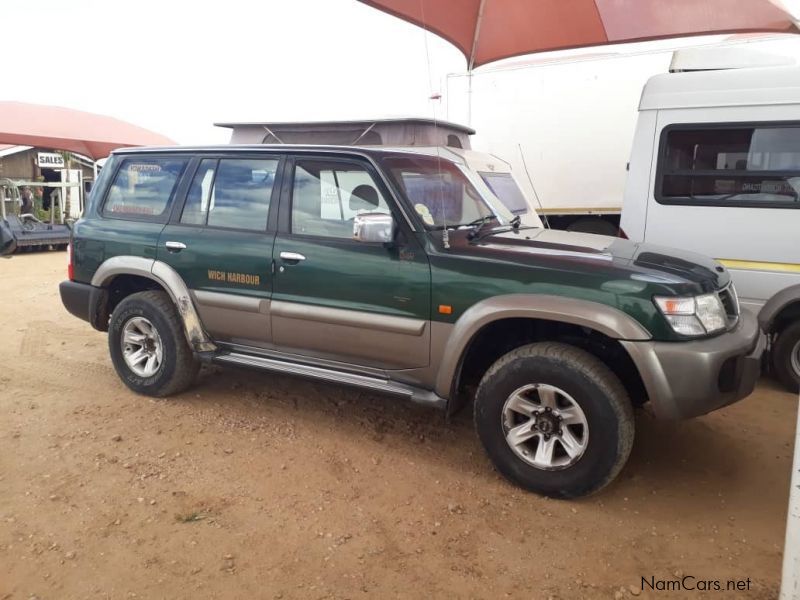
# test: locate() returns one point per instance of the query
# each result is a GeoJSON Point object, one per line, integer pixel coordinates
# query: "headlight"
{"type": "Point", "coordinates": [695, 316]}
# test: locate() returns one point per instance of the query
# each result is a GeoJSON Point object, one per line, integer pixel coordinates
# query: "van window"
{"type": "Point", "coordinates": [327, 196]}
{"type": "Point", "coordinates": [736, 165]}
{"type": "Point", "coordinates": [507, 191]}
{"type": "Point", "coordinates": [231, 193]}
{"type": "Point", "coordinates": [143, 187]}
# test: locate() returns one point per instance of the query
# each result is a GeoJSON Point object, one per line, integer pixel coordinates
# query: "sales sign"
{"type": "Point", "coordinates": [50, 160]}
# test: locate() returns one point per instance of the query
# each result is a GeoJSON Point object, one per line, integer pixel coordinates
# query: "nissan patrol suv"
{"type": "Point", "coordinates": [399, 271]}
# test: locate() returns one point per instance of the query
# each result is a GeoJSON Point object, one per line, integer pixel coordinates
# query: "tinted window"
{"type": "Point", "coordinates": [731, 166]}
{"type": "Point", "coordinates": [326, 196]}
{"type": "Point", "coordinates": [143, 187]}
{"type": "Point", "coordinates": [507, 191]}
{"type": "Point", "coordinates": [231, 193]}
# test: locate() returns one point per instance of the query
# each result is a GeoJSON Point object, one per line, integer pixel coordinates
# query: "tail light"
{"type": "Point", "coordinates": [621, 234]}
{"type": "Point", "coordinates": [70, 262]}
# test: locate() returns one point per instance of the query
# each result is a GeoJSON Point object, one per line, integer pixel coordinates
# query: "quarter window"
{"type": "Point", "coordinates": [756, 166]}
{"type": "Point", "coordinates": [231, 193]}
{"type": "Point", "coordinates": [327, 196]}
{"type": "Point", "coordinates": [143, 187]}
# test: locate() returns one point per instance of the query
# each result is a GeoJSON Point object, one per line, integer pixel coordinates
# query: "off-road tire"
{"type": "Point", "coordinates": [597, 391]}
{"type": "Point", "coordinates": [179, 366]}
{"type": "Point", "coordinates": [782, 350]}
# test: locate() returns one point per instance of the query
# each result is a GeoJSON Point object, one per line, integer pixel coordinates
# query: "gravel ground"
{"type": "Point", "coordinates": [259, 486]}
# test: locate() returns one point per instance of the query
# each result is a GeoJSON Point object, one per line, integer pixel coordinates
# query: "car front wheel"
{"type": "Point", "coordinates": [554, 420]}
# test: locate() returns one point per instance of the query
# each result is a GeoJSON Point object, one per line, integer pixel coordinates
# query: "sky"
{"type": "Point", "coordinates": [176, 66]}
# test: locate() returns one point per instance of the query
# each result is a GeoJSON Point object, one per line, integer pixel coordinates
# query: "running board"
{"type": "Point", "coordinates": [366, 382]}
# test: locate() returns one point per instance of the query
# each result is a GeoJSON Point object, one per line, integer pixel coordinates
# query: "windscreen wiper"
{"type": "Point", "coordinates": [478, 224]}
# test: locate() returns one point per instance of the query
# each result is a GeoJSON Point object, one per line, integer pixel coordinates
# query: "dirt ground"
{"type": "Point", "coordinates": [258, 486]}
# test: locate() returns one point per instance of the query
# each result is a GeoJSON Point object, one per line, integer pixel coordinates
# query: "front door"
{"type": "Point", "coordinates": [221, 245]}
{"type": "Point", "coordinates": [366, 304]}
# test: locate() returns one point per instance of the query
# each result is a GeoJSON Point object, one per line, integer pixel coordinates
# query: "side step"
{"type": "Point", "coordinates": [383, 386]}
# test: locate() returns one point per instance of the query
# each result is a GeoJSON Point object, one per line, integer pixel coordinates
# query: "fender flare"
{"type": "Point", "coordinates": [603, 318]}
{"type": "Point", "coordinates": [776, 304]}
{"type": "Point", "coordinates": [167, 278]}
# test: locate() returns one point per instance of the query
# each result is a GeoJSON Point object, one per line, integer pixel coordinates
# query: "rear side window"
{"type": "Point", "coordinates": [737, 165]}
{"type": "Point", "coordinates": [143, 188]}
{"type": "Point", "coordinates": [231, 193]}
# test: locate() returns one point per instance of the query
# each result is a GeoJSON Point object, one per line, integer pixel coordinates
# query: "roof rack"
{"type": "Point", "coordinates": [721, 58]}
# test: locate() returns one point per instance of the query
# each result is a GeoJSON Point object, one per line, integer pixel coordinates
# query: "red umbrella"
{"type": "Point", "coordinates": [59, 128]}
{"type": "Point", "coordinates": [489, 30]}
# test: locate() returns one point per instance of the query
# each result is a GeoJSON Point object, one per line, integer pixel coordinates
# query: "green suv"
{"type": "Point", "coordinates": [400, 272]}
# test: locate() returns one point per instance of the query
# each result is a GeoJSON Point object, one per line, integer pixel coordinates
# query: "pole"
{"type": "Point", "coordinates": [790, 580]}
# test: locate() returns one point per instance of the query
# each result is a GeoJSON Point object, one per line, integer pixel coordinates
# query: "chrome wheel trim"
{"type": "Point", "coordinates": [142, 348]}
{"type": "Point", "coordinates": [545, 426]}
{"type": "Point", "coordinates": [794, 358]}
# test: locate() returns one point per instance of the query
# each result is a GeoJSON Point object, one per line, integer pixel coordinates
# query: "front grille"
{"type": "Point", "coordinates": [730, 301]}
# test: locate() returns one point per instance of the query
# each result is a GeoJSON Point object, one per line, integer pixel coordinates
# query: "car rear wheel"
{"type": "Point", "coordinates": [786, 357]}
{"type": "Point", "coordinates": [554, 420]}
{"type": "Point", "coordinates": [148, 346]}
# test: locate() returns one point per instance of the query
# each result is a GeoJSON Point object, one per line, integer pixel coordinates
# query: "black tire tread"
{"type": "Point", "coordinates": [592, 368]}
{"type": "Point", "coordinates": [186, 365]}
{"type": "Point", "coordinates": [781, 350]}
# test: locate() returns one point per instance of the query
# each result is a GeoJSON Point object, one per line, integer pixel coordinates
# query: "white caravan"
{"type": "Point", "coordinates": [715, 168]}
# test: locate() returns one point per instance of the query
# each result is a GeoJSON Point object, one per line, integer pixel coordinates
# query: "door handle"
{"type": "Point", "coordinates": [292, 256]}
{"type": "Point", "coordinates": [175, 246]}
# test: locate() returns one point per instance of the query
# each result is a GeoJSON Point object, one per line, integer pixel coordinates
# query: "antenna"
{"type": "Point", "coordinates": [538, 201]}
{"type": "Point", "coordinates": [435, 96]}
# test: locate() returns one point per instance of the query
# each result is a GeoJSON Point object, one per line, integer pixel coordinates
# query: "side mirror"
{"type": "Point", "coordinates": [373, 228]}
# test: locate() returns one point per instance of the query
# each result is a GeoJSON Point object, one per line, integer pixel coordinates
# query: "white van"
{"type": "Point", "coordinates": [715, 168]}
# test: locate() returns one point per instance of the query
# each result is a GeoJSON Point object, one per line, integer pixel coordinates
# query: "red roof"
{"type": "Point", "coordinates": [490, 30]}
{"type": "Point", "coordinates": [92, 135]}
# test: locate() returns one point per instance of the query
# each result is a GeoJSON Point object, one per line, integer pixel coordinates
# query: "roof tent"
{"type": "Point", "coordinates": [374, 132]}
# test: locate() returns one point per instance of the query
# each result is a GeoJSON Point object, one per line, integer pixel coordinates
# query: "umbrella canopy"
{"type": "Point", "coordinates": [489, 30]}
{"type": "Point", "coordinates": [76, 131]}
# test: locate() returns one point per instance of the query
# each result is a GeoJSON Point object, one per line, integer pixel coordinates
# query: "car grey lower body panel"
{"type": "Point", "coordinates": [372, 339]}
{"type": "Point", "coordinates": [233, 317]}
{"type": "Point", "coordinates": [689, 379]}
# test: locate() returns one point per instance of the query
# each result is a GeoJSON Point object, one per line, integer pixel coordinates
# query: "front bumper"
{"type": "Point", "coordinates": [688, 379]}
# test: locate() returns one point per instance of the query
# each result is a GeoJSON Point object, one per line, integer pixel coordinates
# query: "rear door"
{"type": "Point", "coordinates": [367, 304]}
{"type": "Point", "coordinates": [220, 242]}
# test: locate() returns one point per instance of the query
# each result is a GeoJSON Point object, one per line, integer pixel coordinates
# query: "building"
{"type": "Point", "coordinates": [22, 164]}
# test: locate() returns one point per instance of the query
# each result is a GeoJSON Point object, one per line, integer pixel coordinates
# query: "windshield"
{"type": "Point", "coordinates": [441, 193]}
{"type": "Point", "coordinates": [505, 188]}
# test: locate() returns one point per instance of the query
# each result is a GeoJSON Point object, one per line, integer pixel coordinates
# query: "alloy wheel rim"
{"type": "Point", "coordinates": [545, 426]}
{"type": "Point", "coordinates": [142, 348]}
